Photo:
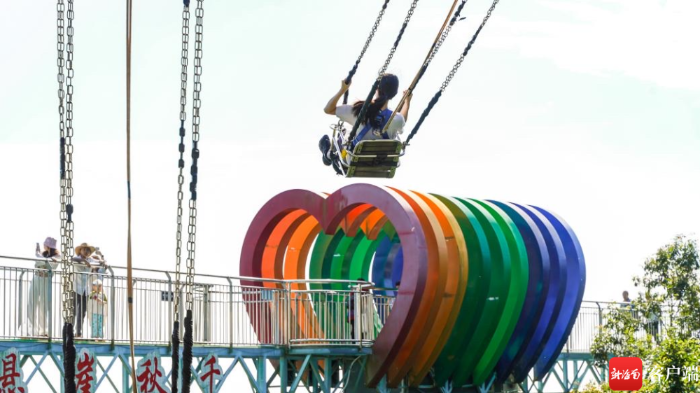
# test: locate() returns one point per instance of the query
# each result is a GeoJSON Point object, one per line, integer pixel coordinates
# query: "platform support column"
{"type": "Point", "coordinates": [328, 375]}
{"type": "Point", "coordinates": [261, 366]}
{"type": "Point", "coordinates": [283, 373]}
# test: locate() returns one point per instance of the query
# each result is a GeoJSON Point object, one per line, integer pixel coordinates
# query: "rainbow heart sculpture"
{"type": "Point", "coordinates": [487, 288]}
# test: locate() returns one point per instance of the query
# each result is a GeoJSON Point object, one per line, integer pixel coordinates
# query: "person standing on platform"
{"type": "Point", "coordinates": [97, 310]}
{"type": "Point", "coordinates": [84, 265]}
{"type": "Point", "coordinates": [37, 301]}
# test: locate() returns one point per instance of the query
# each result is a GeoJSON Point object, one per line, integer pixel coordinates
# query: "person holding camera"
{"type": "Point", "coordinates": [86, 266]}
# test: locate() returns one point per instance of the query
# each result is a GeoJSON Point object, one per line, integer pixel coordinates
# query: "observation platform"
{"type": "Point", "coordinates": [222, 315]}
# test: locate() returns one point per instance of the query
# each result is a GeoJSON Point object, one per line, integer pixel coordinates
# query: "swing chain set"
{"type": "Point", "coordinates": [407, 19]}
{"type": "Point", "coordinates": [196, 104]}
{"type": "Point", "coordinates": [66, 128]}
{"type": "Point", "coordinates": [372, 32]}
{"type": "Point", "coordinates": [382, 71]}
{"type": "Point", "coordinates": [375, 27]}
{"type": "Point", "coordinates": [437, 44]}
{"type": "Point", "coordinates": [181, 148]}
{"type": "Point", "coordinates": [445, 33]}
{"type": "Point", "coordinates": [466, 50]}
{"type": "Point", "coordinates": [449, 78]}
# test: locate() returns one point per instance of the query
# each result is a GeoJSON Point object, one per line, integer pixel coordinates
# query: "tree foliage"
{"type": "Point", "coordinates": [661, 325]}
{"type": "Point", "coordinates": [593, 388]}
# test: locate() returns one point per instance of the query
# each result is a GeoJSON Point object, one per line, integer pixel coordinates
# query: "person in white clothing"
{"type": "Point", "coordinates": [375, 121]}
{"type": "Point", "coordinates": [39, 290]}
{"type": "Point", "coordinates": [97, 310]}
{"type": "Point", "coordinates": [84, 265]}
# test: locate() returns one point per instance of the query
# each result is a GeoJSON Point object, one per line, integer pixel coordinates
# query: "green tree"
{"type": "Point", "coordinates": [593, 388]}
{"type": "Point", "coordinates": [668, 311]}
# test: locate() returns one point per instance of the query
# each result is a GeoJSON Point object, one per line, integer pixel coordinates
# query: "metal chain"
{"type": "Point", "coordinates": [60, 25]}
{"type": "Point", "coordinates": [196, 104]}
{"type": "Point", "coordinates": [66, 130]}
{"type": "Point", "coordinates": [373, 32]}
{"type": "Point", "coordinates": [466, 50]}
{"type": "Point", "coordinates": [449, 78]}
{"type": "Point", "coordinates": [445, 33]}
{"type": "Point", "coordinates": [181, 148]}
{"type": "Point", "coordinates": [398, 39]}
{"type": "Point", "coordinates": [184, 61]}
{"type": "Point", "coordinates": [364, 50]}
{"type": "Point", "coordinates": [365, 106]}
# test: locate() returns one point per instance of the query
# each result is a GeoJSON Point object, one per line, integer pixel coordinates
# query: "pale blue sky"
{"type": "Point", "coordinates": [588, 108]}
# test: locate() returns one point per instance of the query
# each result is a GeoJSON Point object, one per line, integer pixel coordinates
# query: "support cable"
{"type": "Point", "coordinates": [129, 275]}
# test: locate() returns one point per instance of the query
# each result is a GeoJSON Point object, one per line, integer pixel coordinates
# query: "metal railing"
{"type": "Point", "coordinates": [593, 315]}
{"type": "Point", "coordinates": [225, 311]}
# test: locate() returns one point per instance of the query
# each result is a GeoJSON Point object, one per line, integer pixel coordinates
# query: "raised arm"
{"type": "Point", "coordinates": [100, 259]}
{"type": "Point", "coordinates": [333, 102]}
{"type": "Point", "coordinates": [39, 255]}
{"type": "Point", "coordinates": [97, 263]}
{"type": "Point", "coordinates": [406, 106]}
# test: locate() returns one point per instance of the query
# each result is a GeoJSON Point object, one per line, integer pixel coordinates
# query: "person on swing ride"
{"type": "Point", "coordinates": [377, 116]}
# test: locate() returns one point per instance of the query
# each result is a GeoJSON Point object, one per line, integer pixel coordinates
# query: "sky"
{"type": "Point", "coordinates": [590, 109]}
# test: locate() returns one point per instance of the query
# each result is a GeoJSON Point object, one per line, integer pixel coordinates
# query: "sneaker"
{"type": "Point", "coordinates": [325, 146]}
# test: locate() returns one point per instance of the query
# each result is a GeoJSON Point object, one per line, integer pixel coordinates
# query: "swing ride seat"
{"type": "Point", "coordinates": [374, 158]}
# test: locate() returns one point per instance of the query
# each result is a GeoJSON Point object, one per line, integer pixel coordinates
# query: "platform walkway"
{"type": "Point", "coordinates": [316, 329]}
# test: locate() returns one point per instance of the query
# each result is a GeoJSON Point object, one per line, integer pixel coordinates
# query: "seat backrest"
{"type": "Point", "coordinates": [377, 158]}
{"type": "Point", "coordinates": [378, 147]}
{"type": "Point", "coordinates": [384, 117]}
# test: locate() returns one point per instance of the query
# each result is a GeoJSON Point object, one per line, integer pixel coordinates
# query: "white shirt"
{"type": "Point", "coordinates": [344, 112]}
{"type": "Point", "coordinates": [82, 277]}
{"type": "Point", "coordinates": [52, 262]}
